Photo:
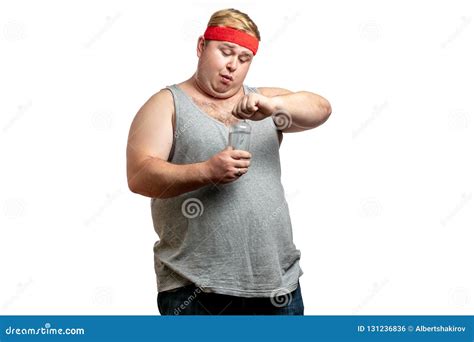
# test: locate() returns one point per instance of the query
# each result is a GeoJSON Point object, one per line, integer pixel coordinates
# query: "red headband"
{"type": "Point", "coordinates": [232, 35]}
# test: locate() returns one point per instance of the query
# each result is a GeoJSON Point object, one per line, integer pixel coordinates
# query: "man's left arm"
{"type": "Point", "coordinates": [291, 111]}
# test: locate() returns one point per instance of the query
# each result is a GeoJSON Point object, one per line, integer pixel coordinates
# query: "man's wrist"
{"type": "Point", "coordinates": [277, 103]}
{"type": "Point", "coordinates": [204, 173]}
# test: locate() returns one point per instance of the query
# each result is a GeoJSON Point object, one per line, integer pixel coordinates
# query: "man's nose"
{"type": "Point", "coordinates": [232, 64]}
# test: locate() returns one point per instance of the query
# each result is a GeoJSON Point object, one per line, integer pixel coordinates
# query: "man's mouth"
{"type": "Point", "coordinates": [228, 77]}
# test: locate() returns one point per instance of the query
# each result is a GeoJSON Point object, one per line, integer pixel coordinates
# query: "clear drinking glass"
{"type": "Point", "coordinates": [239, 135]}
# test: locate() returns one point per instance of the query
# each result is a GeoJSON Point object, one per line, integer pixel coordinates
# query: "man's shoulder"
{"type": "Point", "coordinates": [162, 96]}
{"type": "Point", "coordinates": [160, 102]}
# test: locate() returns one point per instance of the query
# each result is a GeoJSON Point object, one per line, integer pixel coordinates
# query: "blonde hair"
{"type": "Point", "coordinates": [233, 18]}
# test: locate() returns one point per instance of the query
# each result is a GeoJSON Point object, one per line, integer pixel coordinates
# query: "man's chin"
{"type": "Point", "coordinates": [225, 91]}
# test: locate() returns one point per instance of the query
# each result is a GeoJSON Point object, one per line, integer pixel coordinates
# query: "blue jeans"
{"type": "Point", "coordinates": [191, 300]}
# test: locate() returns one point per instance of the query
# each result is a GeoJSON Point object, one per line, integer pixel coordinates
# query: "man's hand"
{"type": "Point", "coordinates": [227, 165]}
{"type": "Point", "coordinates": [254, 107]}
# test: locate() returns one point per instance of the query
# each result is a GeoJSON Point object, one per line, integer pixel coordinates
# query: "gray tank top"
{"type": "Point", "coordinates": [236, 238]}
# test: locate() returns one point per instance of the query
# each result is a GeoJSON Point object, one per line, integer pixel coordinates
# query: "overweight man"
{"type": "Point", "coordinates": [225, 237]}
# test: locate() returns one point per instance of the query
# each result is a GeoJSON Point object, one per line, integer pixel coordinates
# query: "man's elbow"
{"type": "Point", "coordinates": [325, 111]}
{"type": "Point", "coordinates": [328, 108]}
{"type": "Point", "coordinates": [136, 183]}
{"type": "Point", "coordinates": [141, 190]}
{"type": "Point", "coordinates": [133, 185]}
{"type": "Point", "coordinates": [137, 176]}
{"type": "Point", "coordinates": [140, 187]}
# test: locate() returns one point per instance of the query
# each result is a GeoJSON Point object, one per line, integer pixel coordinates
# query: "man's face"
{"type": "Point", "coordinates": [222, 67]}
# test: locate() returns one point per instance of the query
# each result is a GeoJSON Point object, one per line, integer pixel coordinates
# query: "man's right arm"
{"type": "Point", "coordinates": [149, 145]}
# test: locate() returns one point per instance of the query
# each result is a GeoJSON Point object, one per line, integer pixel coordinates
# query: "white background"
{"type": "Point", "coordinates": [380, 195]}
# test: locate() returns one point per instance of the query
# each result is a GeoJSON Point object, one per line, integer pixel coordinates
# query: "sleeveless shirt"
{"type": "Point", "coordinates": [235, 238]}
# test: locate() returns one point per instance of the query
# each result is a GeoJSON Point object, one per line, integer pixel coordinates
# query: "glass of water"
{"type": "Point", "coordinates": [239, 135]}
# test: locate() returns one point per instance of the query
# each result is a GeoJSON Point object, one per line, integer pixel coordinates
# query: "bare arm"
{"type": "Point", "coordinates": [306, 110]}
{"type": "Point", "coordinates": [149, 145]}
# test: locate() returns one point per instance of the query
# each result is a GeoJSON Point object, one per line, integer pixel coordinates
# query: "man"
{"type": "Point", "coordinates": [225, 233]}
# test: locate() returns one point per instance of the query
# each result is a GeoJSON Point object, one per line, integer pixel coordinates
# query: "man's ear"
{"type": "Point", "coordinates": [200, 46]}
